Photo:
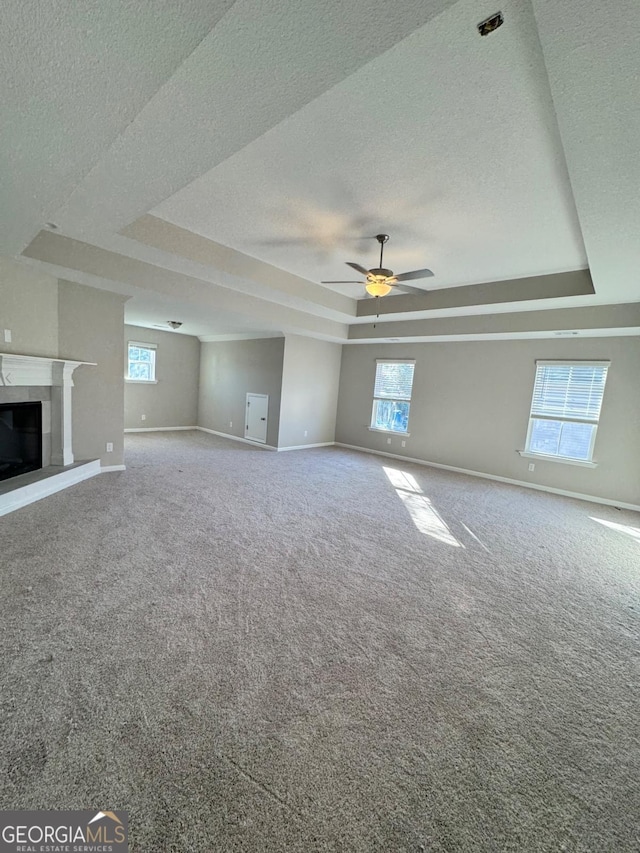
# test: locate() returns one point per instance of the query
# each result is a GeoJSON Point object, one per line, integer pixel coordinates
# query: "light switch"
{"type": "Point", "coordinates": [7, 336]}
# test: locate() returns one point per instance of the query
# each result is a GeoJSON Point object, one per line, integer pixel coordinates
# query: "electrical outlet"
{"type": "Point", "coordinates": [230, 424]}
{"type": "Point", "coordinates": [7, 336]}
{"type": "Point", "coordinates": [532, 466]}
{"type": "Point", "coordinates": [109, 447]}
{"type": "Point", "coordinates": [404, 443]}
{"type": "Point", "coordinates": [143, 417]}
{"type": "Point", "coordinates": [388, 441]}
{"type": "Point", "coordinates": [305, 433]}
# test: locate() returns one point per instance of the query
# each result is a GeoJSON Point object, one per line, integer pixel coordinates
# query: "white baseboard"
{"type": "Point", "coordinates": [233, 438]}
{"type": "Point", "coordinates": [159, 429]}
{"type": "Point", "coordinates": [523, 483]}
{"type": "Point", "coordinates": [104, 469]}
{"type": "Point", "coordinates": [36, 491]}
{"type": "Point", "coordinates": [306, 446]}
{"type": "Point", "coordinates": [236, 438]}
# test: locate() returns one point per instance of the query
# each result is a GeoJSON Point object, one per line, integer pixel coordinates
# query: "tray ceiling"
{"type": "Point", "coordinates": [227, 157]}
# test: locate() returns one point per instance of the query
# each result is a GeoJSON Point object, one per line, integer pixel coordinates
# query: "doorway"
{"type": "Point", "coordinates": [256, 417]}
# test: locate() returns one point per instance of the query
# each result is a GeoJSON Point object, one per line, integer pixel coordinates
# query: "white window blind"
{"type": "Point", "coordinates": [392, 395]}
{"type": "Point", "coordinates": [394, 380]}
{"type": "Point", "coordinates": [569, 390]}
{"type": "Point", "coordinates": [144, 346]}
{"type": "Point", "coordinates": [565, 409]}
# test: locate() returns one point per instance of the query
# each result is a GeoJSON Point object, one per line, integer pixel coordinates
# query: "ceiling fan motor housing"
{"type": "Point", "coordinates": [380, 271]}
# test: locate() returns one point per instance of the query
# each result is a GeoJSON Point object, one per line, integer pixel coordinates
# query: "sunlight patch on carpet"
{"type": "Point", "coordinates": [634, 532]}
{"type": "Point", "coordinates": [422, 512]}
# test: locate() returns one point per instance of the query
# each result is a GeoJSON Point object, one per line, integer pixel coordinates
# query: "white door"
{"type": "Point", "coordinates": [256, 420]}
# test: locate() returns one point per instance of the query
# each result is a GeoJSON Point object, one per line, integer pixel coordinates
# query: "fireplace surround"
{"type": "Point", "coordinates": [27, 371]}
{"type": "Point", "coordinates": [47, 382]}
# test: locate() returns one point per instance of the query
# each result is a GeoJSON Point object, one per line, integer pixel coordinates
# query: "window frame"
{"type": "Point", "coordinates": [153, 348]}
{"type": "Point", "coordinates": [575, 419]}
{"type": "Point", "coordinates": [376, 400]}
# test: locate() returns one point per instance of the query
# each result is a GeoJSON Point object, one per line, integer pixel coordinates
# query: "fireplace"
{"type": "Point", "coordinates": [38, 440]}
{"type": "Point", "coordinates": [20, 438]}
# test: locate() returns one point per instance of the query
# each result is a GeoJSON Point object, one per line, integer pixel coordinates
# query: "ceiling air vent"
{"type": "Point", "coordinates": [490, 24]}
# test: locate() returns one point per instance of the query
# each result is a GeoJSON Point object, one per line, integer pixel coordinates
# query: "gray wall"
{"type": "Point", "coordinates": [66, 320]}
{"type": "Point", "coordinates": [230, 369]}
{"type": "Point", "coordinates": [173, 401]}
{"type": "Point", "coordinates": [90, 329]}
{"type": "Point", "coordinates": [29, 307]}
{"type": "Point", "coordinates": [471, 404]}
{"type": "Point", "coordinates": [310, 382]}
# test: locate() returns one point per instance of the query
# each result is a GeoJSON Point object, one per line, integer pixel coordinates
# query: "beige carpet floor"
{"type": "Point", "coordinates": [322, 651]}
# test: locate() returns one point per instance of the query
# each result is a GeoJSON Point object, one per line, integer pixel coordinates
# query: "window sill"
{"type": "Point", "coordinates": [141, 381]}
{"type": "Point", "coordinates": [562, 459]}
{"type": "Point", "coordinates": [387, 431]}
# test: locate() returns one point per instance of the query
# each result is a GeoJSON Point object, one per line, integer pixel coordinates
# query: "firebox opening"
{"type": "Point", "coordinates": [20, 438]}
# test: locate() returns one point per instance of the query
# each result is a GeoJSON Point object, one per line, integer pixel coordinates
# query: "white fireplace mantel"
{"type": "Point", "coordinates": [56, 373]}
{"type": "Point", "coordinates": [36, 369]}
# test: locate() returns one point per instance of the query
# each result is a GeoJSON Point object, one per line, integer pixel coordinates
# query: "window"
{"type": "Point", "coordinates": [567, 397]}
{"type": "Point", "coordinates": [392, 395]}
{"type": "Point", "coordinates": [141, 365]}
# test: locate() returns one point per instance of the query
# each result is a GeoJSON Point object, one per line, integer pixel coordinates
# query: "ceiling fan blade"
{"type": "Point", "coordinates": [358, 268]}
{"type": "Point", "coordinates": [406, 289]}
{"type": "Point", "coordinates": [410, 276]}
{"type": "Point", "coordinates": [342, 282]}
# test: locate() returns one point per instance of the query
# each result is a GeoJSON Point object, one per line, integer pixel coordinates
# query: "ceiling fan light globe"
{"type": "Point", "coordinates": [377, 288]}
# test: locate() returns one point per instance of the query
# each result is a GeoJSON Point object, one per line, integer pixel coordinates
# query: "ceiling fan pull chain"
{"type": "Point", "coordinates": [377, 304]}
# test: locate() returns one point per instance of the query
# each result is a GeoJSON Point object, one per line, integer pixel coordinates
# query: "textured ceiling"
{"type": "Point", "coordinates": [262, 62]}
{"type": "Point", "coordinates": [448, 142]}
{"type": "Point", "coordinates": [74, 76]}
{"type": "Point", "coordinates": [593, 60]}
{"type": "Point", "coordinates": [271, 139]}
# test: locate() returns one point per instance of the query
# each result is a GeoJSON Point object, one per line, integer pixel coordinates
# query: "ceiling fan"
{"type": "Point", "coordinates": [381, 281]}
{"type": "Point", "coordinates": [173, 324]}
